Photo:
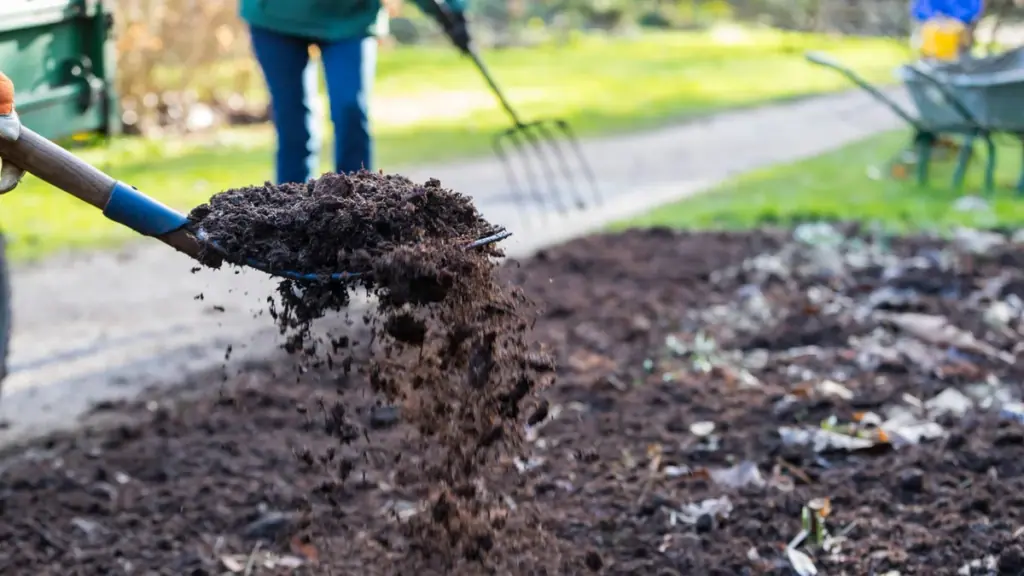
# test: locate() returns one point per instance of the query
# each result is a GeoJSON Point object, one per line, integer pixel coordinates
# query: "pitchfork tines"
{"type": "Point", "coordinates": [549, 144]}
{"type": "Point", "coordinates": [540, 137]}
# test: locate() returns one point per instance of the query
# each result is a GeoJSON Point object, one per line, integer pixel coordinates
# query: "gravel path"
{"type": "Point", "coordinates": [105, 326]}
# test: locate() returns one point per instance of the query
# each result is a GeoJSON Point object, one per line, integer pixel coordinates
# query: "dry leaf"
{"type": "Point", "coordinates": [741, 475]}
{"type": "Point", "coordinates": [702, 429]}
{"type": "Point", "coordinates": [824, 440]}
{"type": "Point", "coordinates": [833, 388]}
{"type": "Point", "coordinates": [654, 457]}
{"type": "Point", "coordinates": [801, 563]}
{"type": "Point", "coordinates": [234, 564]}
{"type": "Point", "coordinates": [939, 331]}
{"type": "Point", "coordinates": [291, 562]}
{"type": "Point", "coordinates": [584, 361]}
{"type": "Point", "coordinates": [714, 507]}
{"type": "Point", "coordinates": [304, 550]}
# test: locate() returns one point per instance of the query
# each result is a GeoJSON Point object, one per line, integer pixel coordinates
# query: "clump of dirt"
{"type": "Point", "coordinates": [339, 223]}
{"type": "Point", "coordinates": [450, 340]}
{"type": "Point", "coordinates": [336, 223]}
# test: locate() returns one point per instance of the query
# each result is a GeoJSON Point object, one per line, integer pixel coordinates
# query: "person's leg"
{"type": "Point", "coordinates": [292, 81]}
{"type": "Point", "coordinates": [349, 67]}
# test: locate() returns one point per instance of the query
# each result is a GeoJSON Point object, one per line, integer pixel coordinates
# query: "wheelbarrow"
{"type": "Point", "coordinates": [974, 98]}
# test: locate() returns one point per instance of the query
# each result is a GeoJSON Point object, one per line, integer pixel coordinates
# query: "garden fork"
{"type": "Point", "coordinates": [550, 142]}
{"type": "Point", "coordinates": [540, 137]}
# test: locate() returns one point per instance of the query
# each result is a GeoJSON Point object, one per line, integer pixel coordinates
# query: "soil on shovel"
{"type": "Point", "coordinates": [726, 404]}
{"type": "Point", "coordinates": [338, 222]}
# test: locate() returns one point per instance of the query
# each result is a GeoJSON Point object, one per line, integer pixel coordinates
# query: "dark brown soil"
{"type": "Point", "coordinates": [338, 222]}
{"type": "Point", "coordinates": [688, 365]}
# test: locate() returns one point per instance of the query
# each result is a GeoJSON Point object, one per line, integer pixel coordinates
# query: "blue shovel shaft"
{"type": "Point", "coordinates": [118, 201]}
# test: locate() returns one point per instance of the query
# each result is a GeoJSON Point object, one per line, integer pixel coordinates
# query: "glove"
{"type": "Point", "coordinates": [10, 129]}
{"type": "Point", "coordinates": [456, 28]}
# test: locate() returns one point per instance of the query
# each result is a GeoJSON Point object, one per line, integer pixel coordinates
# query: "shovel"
{"type": "Point", "coordinates": [25, 151]}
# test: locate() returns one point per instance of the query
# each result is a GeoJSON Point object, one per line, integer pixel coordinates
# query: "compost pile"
{"type": "Point", "coordinates": [448, 339]}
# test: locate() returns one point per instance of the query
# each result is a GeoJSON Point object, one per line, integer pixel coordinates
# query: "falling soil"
{"type": "Point", "coordinates": [449, 339]}
{"type": "Point", "coordinates": [682, 362]}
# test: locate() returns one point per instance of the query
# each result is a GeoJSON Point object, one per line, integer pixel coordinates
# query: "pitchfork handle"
{"type": "Point", "coordinates": [444, 15]}
{"type": "Point", "coordinates": [494, 88]}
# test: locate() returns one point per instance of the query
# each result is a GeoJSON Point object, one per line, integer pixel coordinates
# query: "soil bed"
{"type": "Point", "coordinates": [711, 390]}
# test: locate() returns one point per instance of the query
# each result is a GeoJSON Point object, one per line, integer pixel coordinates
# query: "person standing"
{"type": "Point", "coordinates": [345, 32]}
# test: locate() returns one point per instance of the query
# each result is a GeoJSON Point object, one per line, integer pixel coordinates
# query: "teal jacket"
{"type": "Point", "coordinates": [327, 20]}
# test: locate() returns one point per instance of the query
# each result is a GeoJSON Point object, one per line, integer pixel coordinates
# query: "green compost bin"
{"type": "Point", "coordinates": [60, 55]}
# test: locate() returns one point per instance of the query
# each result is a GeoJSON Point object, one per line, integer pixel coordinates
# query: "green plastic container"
{"type": "Point", "coordinates": [60, 55]}
{"type": "Point", "coordinates": [61, 58]}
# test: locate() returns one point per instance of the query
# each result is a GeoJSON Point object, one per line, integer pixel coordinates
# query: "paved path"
{"type": "Point", "coordinates": [106, 326]}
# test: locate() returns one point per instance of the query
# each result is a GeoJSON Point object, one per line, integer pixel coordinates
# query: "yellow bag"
{"type": "Point", "coordinates": [942, 38]}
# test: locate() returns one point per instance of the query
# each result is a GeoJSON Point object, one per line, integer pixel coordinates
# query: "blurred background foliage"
{"type": "Point", "coordinates": [185, 65]}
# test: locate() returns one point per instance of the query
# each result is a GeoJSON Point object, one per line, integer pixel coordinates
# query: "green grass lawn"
{"type": "Point", "coordinates": [430, 105]}
{"type": "Point", "coordinates": [849, 184]}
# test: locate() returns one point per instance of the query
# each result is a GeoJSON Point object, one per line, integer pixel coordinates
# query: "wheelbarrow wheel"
{"type": "Point", "coordinates": [5, 310]}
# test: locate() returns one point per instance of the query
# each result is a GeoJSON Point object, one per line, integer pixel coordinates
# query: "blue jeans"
{"type": "Point", "coordinates": [291, 76]}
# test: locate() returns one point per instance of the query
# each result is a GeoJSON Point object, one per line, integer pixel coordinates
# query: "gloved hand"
{"type": "Point", "coordinates": [457, 29]}
{"type": "Point", "coordinates": [10, 129]}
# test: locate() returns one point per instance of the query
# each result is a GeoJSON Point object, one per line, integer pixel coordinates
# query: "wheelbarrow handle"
{"type": "Point", "coordinates": [927, 73]}
{"type": "Point", "coordinates": [822, 59]}
{"type": "Point", "coordinates": [827, 61]}
{"type": "Point", "coordinates": [118, 201]}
